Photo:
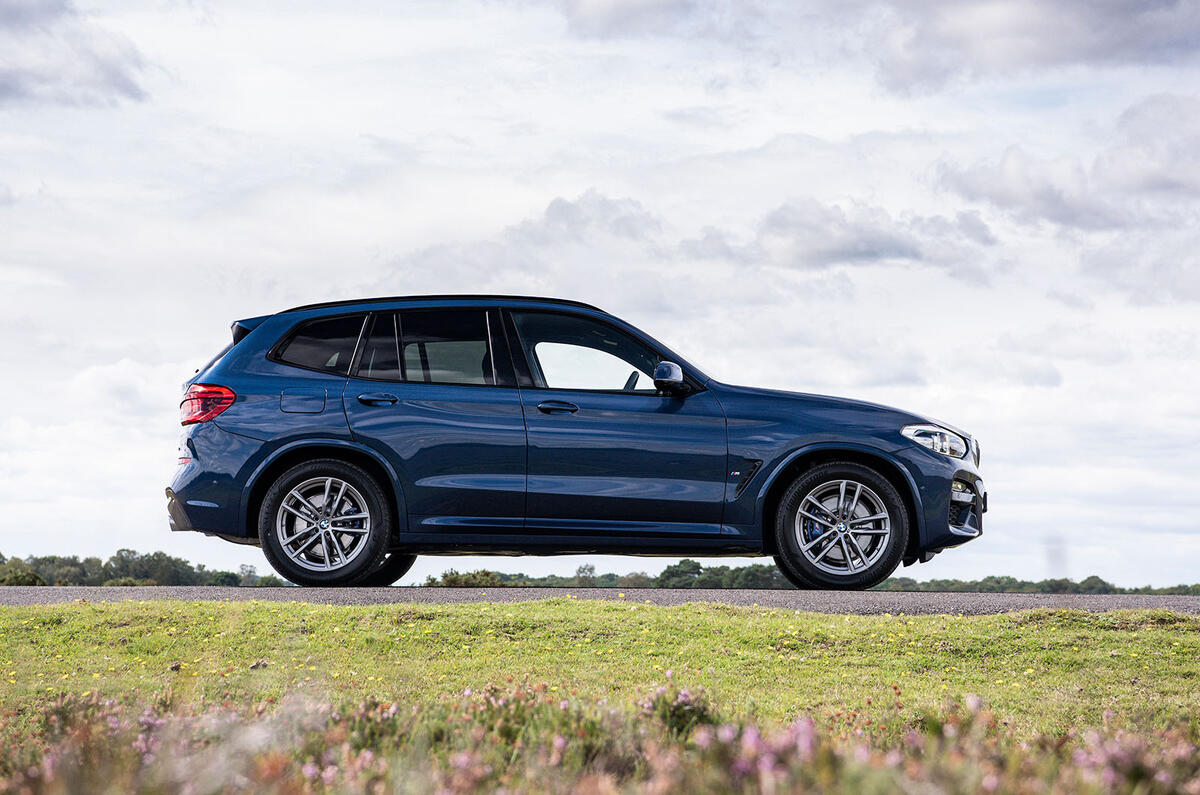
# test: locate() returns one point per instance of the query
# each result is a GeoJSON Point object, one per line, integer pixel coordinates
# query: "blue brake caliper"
{"type": "Point", "coordinates": [812, 529]}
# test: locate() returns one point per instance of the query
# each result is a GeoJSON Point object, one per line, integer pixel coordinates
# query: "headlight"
{"type": "Point", "coordinates": [937, 439]}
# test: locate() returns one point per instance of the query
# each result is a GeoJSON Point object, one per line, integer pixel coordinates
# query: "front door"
{"type": "Point", "coordinates": [607, 453]}
{"type": "Point", "coordinates": [434, 395]}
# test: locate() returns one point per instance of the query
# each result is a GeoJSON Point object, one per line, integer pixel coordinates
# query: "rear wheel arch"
{"type": "Point", "coordinates": [290, 457]}
{"type": "Point", "coordinates": [799, 464]}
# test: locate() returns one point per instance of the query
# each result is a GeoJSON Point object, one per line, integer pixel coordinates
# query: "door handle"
{"type": "Point", "coordinates": [557, 407]}
{"type": "Point", "coordinates": [378, 399]}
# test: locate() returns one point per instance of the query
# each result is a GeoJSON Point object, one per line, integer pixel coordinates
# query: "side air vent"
{"type": "Point", "coordinates": [748, 473]}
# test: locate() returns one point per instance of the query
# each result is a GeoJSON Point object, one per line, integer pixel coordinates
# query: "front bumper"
{"type": "Point", "coordinates": [968, 503]}
{"type": "Point", "coordinates": [949, 516]}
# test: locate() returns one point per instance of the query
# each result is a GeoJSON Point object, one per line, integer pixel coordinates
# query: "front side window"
{"type": "Point", "coordinates": [572, 352]}
{"type": "Point", "coordinates": [446, 346]}
{"type": "Point", "coordinates": [326, 344]}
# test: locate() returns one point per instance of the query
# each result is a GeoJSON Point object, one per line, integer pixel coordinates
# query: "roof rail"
{"type": "Point", "coordinates": [389, 299]}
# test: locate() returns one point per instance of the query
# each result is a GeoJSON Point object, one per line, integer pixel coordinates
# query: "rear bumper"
{"type": "Point", "coordinates": [205, 494]}
{"type": "Point", "coordinates": [176, 515]}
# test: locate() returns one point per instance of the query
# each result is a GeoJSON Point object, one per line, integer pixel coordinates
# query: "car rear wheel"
{"type": "Point", "coordinates": [394, 566]}
{"type": "Point", "coordinates": [325, 522]}
{"type": "Point", "coordinates": [840, 526]}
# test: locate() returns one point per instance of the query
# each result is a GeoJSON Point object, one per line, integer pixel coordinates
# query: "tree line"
{"type": "Point", "coordinates": [128, 567]}
{"type": "Point", "coordinates": [692, 574]}
{"type": "Point", "coordinates": [685, 574]}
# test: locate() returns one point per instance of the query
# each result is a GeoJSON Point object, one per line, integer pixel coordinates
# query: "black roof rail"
{"type": "Point", "coordinates": [389, 299]}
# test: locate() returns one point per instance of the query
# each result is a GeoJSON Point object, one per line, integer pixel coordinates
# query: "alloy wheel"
{"type": "Point", "coordinates": [842, 527]}
{"type": "Point", "coordinates": [323, 523]}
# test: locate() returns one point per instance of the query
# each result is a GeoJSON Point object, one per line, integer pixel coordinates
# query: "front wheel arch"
{"type": "Point", "coordinates": [790, 470]}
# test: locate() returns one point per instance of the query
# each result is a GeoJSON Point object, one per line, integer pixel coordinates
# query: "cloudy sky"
{"type": "Point", "coordinates": [985, 211]}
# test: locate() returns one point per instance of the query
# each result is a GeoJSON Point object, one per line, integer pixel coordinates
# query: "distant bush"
{"type": "Point", "coordinates": [127, 581]}
{"type": "Point", "coordinates": [471, 579]}
{"type": "Point", "coordinates": [15, 573]}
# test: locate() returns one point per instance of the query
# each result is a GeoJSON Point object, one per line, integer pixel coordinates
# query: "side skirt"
{"type": "Point", "coordinates": [512, 544]}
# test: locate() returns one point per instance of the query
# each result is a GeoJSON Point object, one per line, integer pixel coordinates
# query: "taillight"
{"type": "Point", "coordinates": [202, 402]}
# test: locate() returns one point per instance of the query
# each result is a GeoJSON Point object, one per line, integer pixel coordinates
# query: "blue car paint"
{"type": "Point", "coordinates": [483, 469]}
{"type": "Point", "coordinates": [459, 450]}
{"type": "Point", "coordinates": [648, 460]}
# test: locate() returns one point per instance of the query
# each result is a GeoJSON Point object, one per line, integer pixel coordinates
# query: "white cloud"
{"type": "Point", "coordinates": [1134, 210]}
{"type": "Point", "coordinates": [625, 17]}
{"type": "Point", "coordinates": [1035, 190]}
{"type": "Point", "coordinates": [1150, 266]}
{"type": "Point", "coordinates": [928, 43]}
{"type": "Point", "coordinates": [1158, 150]}
{"type": "Point", "coordinates": [916, 45]}
{"type": "Point", "coordinates": [50, 52]}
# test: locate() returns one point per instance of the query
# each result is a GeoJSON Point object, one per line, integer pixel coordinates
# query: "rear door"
{"type": "Point", "coordinates": [433, 391]}
{"type": "Point", "coordinates": [607, 453]}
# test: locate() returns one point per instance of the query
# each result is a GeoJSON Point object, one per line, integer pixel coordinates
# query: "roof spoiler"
{"type": "Point", "coordinates": [241, 328]}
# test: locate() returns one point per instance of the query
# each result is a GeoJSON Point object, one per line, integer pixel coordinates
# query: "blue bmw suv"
{"type": "Point", "coordinates": [347, 438]}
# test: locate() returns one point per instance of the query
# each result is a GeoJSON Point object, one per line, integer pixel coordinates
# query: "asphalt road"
{"type": "Point", "coordinates": [869, 602]}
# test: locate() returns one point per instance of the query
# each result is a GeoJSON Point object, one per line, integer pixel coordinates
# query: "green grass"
{"type": "Point", "coordinates": [1042, 671]}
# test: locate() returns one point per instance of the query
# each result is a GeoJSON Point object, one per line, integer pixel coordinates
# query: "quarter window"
{"type": "Point", "coordinates": [326, 344]}
{"type": "Point", "coordinates": [572, 352]}
{"type": "Point", "coordinates": [381, 353]}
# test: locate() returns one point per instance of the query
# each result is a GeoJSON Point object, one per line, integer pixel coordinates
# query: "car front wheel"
{"type": "Point", "coordinates": [840, 526]}
{"type": "Point", "coordinates": [325, 522]}
{"type": "Point", "coordinates": [394, 566]}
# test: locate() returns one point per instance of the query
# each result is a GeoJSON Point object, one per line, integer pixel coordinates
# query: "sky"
{"type": "Point", "coordinates": [985, 212]}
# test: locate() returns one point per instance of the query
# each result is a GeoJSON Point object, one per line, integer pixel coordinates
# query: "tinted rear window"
{"type": "Point", "coordinates": [326, 344]}
{"type": "Point", "coordinates": [446, 347]}
{"type": "Point", "coordinates": [381, 353]}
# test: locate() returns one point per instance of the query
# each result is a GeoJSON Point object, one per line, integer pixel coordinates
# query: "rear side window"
{"type": "Point", "coordinates": [446, 347]}
{"type": "Point", "coordinates": [326, 344]}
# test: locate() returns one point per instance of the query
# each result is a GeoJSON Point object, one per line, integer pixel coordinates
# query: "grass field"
{"type": "Point", "coordinates": [1045, 671]}
{"type": "Point", "coordinates": [1042, 674]}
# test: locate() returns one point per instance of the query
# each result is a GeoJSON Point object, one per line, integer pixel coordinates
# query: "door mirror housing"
{"type": "Point", "coordinates": [668, 379]}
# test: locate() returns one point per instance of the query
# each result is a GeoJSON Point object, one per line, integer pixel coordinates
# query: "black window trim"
{"type": "Point", "coordinates": [494, 339]}
{"type": "Point", "coordinates": [517, 377]}
{"type": "Point", "coordinates": [273, 355]}
{"type": "Point", "coordinates": [524, 370]}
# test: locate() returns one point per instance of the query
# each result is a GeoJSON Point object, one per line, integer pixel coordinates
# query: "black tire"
{"type": "Point", "coordinates": [792, 578]}
{"type": "Point", "coordinates": [881, 556]}
{"type": "Point", "coordinates": [394, 566]}
{"type": "Point", "coordinates": [364, 561]}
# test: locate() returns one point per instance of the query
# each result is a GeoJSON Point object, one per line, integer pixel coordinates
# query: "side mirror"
{"type": "Point", "coordinates": [668, 379]}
